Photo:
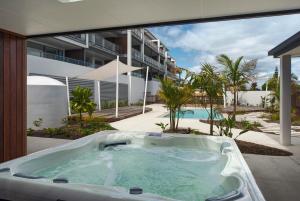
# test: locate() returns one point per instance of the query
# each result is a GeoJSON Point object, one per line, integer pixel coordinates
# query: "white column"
{"type": "Point", "coordinates": [129, 62]}
{"type": "Point", "coordinates": [224, 96]}
{"type": "Point", "coordinates": [99, 95]}
{"type": "Point", "coordinates": [285, 100]}
{"type": "Point", "coordinates": [143, 44]}
{"type": "Point", "coordinates": [117, 88]}
{"type": "Point", "coordinates": [68, 96]}
{"type": "Point", "coordinates": [146, 86]}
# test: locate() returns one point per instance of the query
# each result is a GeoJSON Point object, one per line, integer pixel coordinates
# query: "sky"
{"type": "Point", "coordinates": [193, 44]}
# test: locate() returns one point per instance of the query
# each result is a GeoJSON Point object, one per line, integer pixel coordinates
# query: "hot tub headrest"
{"type": "Point", "coordinates": [135, 190]}
{"type": "Point", "coordinates": [103, 145]}
{"type": "Point", "coordinates": [4, 170]}
{"type": "Point", "coordinates": [60, 180]}
{"type": "Point", "coordinates": [27, 176]}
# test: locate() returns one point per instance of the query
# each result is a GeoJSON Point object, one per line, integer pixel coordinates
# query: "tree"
{"type": "Point", "coordinates": [253, 86]}
{"type": "Point", "coordinates": [211, 83]}
{"type": "Point", "coordinates": [237, 74]}
{"type": "Point", "coordinates": [175, 94]}
{"type": "Point", "coordinates": [81, 102]}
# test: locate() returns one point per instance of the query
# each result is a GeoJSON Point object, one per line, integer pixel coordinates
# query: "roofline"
{"type": "Point", "coordinates": [178, 22]}
{"type": "Point", "coordinates": [285, 46]}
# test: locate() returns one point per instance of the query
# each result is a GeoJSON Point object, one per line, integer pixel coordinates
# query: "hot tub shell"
{"type": "Point", "coordinates": [16, 183]}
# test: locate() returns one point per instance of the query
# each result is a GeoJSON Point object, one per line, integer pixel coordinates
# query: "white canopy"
{"type": "Point", "coordinates": [111, 69]}
{"type": "Point", "coordinates": [107, 71]}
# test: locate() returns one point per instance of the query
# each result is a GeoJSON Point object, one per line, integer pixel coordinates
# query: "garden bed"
{"type": "Point", "coordinates": [72, 130]}
{"type": "Point", "coordinates": [244, 125]}
{"type": "Point", "coordinates": [253, 148]}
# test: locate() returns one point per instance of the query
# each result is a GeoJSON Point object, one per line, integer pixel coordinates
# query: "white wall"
{"type": "Point", "coordinates": [46, 66]}
{"type": "Point", "coordinates": [46, 102]}
{"type": "Point", "coordinates": [153, 87]}
{"type": "Point", "coordinates": [251, 98]}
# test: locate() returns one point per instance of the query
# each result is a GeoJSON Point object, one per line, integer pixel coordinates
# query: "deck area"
{"type": "Point", "coordinates": [124, 112]}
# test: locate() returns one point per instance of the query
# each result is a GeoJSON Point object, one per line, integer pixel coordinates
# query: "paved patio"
{"type": "Point", "coordinates": [278, 177]}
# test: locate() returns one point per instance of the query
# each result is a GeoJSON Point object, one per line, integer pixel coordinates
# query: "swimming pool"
{"type": "Point", "coordinates": [132, 166]}
{"type": "Point", "coordinates": [192, 113]}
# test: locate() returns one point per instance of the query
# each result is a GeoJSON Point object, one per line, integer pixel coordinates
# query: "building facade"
{"type": "Point", "coordinates": [61, 57]}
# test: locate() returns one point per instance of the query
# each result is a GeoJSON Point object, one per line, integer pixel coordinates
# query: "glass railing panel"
{"type": "Point", "coordinates": [30, 51]}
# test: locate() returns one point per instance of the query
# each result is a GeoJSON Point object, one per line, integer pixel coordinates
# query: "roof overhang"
{"type": "Point", "coordinates": [32, 17]}
{"type": "Point", "coordinates": [290, 46]}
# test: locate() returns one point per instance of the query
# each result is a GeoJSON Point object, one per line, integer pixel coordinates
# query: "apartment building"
{"type": "Point", "coordinates": [61, 57]}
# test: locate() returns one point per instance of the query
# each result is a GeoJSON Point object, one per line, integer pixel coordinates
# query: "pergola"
{"type": "Point", "coordinates": [30, 18]}
{"type": "Point", "coordinates": [286, 51]}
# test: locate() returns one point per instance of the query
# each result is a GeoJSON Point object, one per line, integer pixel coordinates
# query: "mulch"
{"type": "Point", "coordinates": [253, 148]}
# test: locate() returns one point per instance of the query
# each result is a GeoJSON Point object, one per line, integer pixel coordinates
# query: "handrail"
{"type": "Point", "coordinates": [77, 38]}
{"type": "Point", "coordinates": [151, 61]}
{"type": "Point", "coordinates": [104, 44]}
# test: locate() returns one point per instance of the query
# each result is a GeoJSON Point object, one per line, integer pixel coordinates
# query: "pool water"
{"type": "Point", "coordinates": [202, 114]}
{"type": "Point", "coordinates": [181, 173]}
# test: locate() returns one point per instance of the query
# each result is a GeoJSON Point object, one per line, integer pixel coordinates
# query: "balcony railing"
{"type": "Point", "coordinates": [34, 52]}
{"type": "Point", "coordinates": [152, 45]}
{"type": "Point", "coordinates": [80, 38]}
{"type": "Point", "coordinates": [105, 45]}
{"type": "Point", "coordinates": [137, 33]}
{"type": "Point", "coordinates": [152, 62]}
{"type": "Point", "coordinates": [136, 55]}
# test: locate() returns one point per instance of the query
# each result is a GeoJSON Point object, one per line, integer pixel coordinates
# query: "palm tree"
{"type": "Point", "coordinates": [81, 102]}
{"type": "Point", "coordinates": [210, 82]}
{"type": "Point", "coordinates": [175, 94]}
{"type": "Point", "coordinates": [236, 74]}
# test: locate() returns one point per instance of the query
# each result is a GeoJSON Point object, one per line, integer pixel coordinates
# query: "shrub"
{"type": "Point", "coordinates": [38, 123]}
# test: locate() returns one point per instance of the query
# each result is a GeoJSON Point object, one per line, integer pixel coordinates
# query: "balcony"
{"type": "Point", "coordinates": [162, 52]}
{"type": "Point", "coordinates": [80, 38]}
{"type": "Point", "coordinates": [33, 52]}
{"type": "Point", "coordinates": [170, 63]}
{"type": "Point", "coordinates": [151, 62]}
{"type": "Point", "coordinates": [171, 75]}
{"type": "Point", "coordinates": [152, 45]}
{"type": "Point", "coordinates": [105, 45]}
{"type": "Point", "coordinates": [137, 33]}
{"type": "Point", "coordinates": [162, 66]}
{"type": "Point", "coordinates": [137, 55]}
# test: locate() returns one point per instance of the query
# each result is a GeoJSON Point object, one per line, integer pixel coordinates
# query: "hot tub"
{"type": "Point", "coordinates": [132, 166]}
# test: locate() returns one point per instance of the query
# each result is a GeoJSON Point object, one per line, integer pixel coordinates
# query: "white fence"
{"type": "Point", "coordinates": [248, 98]}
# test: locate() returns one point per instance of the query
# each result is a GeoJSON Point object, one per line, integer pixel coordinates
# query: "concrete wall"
{"type": "Point", "coordinates": [251, 98]}
{"type": "Point", "coordinates": [48, 103]}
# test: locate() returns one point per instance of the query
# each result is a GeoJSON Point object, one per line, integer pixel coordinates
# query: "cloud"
{"type": "Point", "coordinates": [251, 38]}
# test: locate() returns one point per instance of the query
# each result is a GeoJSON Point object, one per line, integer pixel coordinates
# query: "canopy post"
{"type": "Point", "coordinates": [117, 88]}
{"type": "Point", "coordinates": [68, 96]}
{"type": "Point", "coordinates": [146, 85]}
{"type": "Point", "coordinates": [224, 96]}
{"type": "Point", "coordinates": [99, 98]}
